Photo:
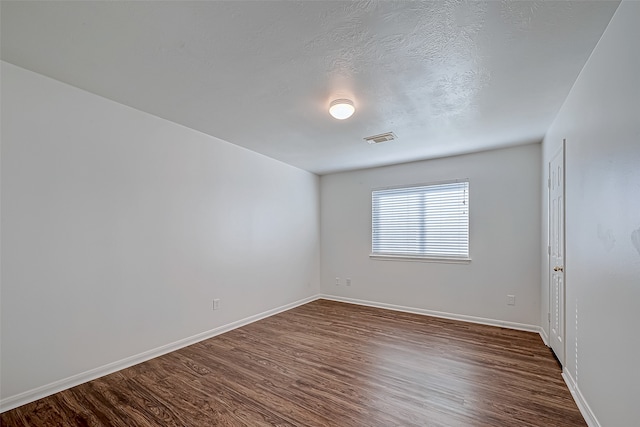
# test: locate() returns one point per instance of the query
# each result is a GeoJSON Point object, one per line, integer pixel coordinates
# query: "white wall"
{"type": "Point", "coordinates": [504, 241]}
{"type": "Point", "coordinates": [119, 228]}
{"type": "Point", "coordinates": [601, 122]}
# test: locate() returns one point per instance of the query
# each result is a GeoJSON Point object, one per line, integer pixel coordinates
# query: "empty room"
{"type": "Point", "coordinates": [320, 213]}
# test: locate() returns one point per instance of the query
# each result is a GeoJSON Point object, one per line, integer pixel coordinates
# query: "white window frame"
{"type": "Point", "coordinates": [421, 257]}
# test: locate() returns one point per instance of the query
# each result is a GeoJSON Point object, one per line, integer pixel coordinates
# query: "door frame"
{"type": "Point", "coordinates": [560, 152]}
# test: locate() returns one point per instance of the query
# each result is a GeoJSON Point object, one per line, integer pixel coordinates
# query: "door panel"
{"type": "Point", "coordinates": [556, 255]}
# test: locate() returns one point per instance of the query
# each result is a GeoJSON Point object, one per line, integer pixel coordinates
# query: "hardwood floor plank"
{"type": "Point", "coordinates": [38, 413]}
{"type": "Point", "coordinates": [329, 364]}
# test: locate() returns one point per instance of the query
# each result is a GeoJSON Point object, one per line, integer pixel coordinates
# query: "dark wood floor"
{"type": "Point", "coordinates": [329, 364]}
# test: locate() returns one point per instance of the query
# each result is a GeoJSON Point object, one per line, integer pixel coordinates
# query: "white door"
{"type": "Point", "coordinates": [556, 254]}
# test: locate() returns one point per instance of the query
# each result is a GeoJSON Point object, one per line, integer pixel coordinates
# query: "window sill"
{"type": "Point", "coordinates": [382, 257]}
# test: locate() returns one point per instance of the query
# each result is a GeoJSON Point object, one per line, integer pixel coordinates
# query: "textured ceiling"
{"type": "Point", "coordinates": [446, 77]}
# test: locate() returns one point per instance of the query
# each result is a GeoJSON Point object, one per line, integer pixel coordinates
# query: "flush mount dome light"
{"type": "Point", "coordinates": [341, 109]}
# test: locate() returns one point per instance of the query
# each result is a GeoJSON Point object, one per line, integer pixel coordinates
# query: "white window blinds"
{"type": "Point", "coordinates": [430, 221]}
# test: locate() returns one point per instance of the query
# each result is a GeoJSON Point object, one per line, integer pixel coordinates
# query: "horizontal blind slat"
{"type": "Point", "coordinates": [431, 220]}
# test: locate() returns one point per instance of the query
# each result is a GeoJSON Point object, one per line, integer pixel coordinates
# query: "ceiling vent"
{"type": "Point", "coordinates": [383, 137]}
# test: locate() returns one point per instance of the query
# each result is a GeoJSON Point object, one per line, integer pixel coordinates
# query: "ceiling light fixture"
{"type": "Point", "coordinates": [341, 109]}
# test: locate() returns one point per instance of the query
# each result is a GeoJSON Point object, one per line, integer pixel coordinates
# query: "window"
{"type": "Point", "coordinates": [429, 221]}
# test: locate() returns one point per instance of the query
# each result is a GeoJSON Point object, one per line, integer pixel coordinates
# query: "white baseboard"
{"type": "Point", "coordinates": [72, 381]}
{"type": "Point", "coordinates": [433, 313]}
{"type": "Point", "coordinates": [543, 335]}
{"type": "Point", "coordinates": [583, 406]}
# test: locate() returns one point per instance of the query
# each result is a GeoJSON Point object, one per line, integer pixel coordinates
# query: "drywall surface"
{"type": "Point", "coordinates": [120, 228]}
{"type": "Point", "coordinates": [601, 123]}
{"type": "Point", "coordinates": [504, 238]}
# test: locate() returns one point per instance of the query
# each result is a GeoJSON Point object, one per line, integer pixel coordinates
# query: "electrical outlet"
{"type": "Point", "coordinates": [216, 303]}
{"type": "Point", "coordinates": [337, 281]}
{"type": "Point", "coordinates": [511, 300]}
{"type": "Point", "coordinates": [348, 282]}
